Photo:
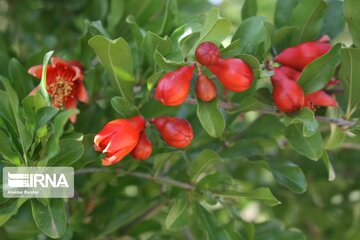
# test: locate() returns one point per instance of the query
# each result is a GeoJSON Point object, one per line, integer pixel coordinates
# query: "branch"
{"type": "Point", "coordinates": [157, 179]}
{"type": "Point", "coordinates": [233, 106]}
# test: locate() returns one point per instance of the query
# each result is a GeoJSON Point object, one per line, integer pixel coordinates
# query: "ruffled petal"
{"type": "Point", "coordinates": [82, 94]}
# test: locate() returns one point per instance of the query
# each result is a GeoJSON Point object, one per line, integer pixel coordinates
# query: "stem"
{"type": "Point", "coordinates": [232, 106]}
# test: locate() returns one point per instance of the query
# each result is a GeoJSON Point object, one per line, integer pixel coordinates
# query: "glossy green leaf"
{"type": "Point", "coordinates": [334, 10]}
{"type": "Point", "coordinates": [44, 115]}
{"type": "Point", "coordinates": [136, 31]}
{"type": "Point", "coordinates": [70, 151]}
{"type": "Point", "coordinates": [352, 17]}
{"type": "Point", "coordinates": [349, 74]}
{"type": "Point", "coordinates": [162, 158]}
{"type": "Point", "coordinates": [215, 29]}
{"type": "Point", "coordinates": [209, 224]}
{"type": "Point", "coordinates": [124, 107]}
{"type": "Point", "coordinates": [178, 217]}
{"type": "Point", "coordinates": [308, 16]}
{"type": "Point", "coordinates": [211, 118]}
{"type": "Point", "coordinates": [283, 12]}
{"type": "Point", "coordinates": [318, 73]}
{"type": "Point", "coordinates": [51, 219]}
{"type": "Point", "coordinates": [90, 155]}
{"type": "Point", "coordinates": [153, 42]}
{"type": "Point", "coordinates": [259, 100]}
{"type": "Point", "coordinates": [204, 160]}
{"type": "Point", "coordinates": [249, 9]}
{"type": "Point", "coordinates": [10, 208]}
{"type": "Point", "coordinates": [261, 194]}
{"type": "Point", "coordinates": [117, 9]}
{"type": "Point", "coordinates": [310, 147]}
{"type": "Point", "coordinates": [254, 37]}
{"type": "Point", "coordinates": [306, 117]}
{"type": "Point", "coordinates": [6, 150]}
{"type": "Point", "coordinates": [170, 17]}
{"type": "Point", "coordinates": [165, 63]}
{"type": "Point", "coordinates": [20, 78]}
{"type": "Point", "coordinates": [116, 57]}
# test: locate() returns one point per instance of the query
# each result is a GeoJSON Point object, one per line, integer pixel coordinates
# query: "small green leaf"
{"type": "Point", "coordinates": [124, 107]}
{"type": "Point", "coordinates": [349, 74]}
{"type": "Point", "coordinates": [170, 17]}
{"type": "Point", "coordinates": [334, 10]}
{"type": "Point", "coordinates": [162, 158]}
{"type": "Point", "coordinates": [211, 118]}
{"type": "Point", "coordinates": [204, 160]}
{"type": "Point", "coordinates": [328, 165]}
{"type": "Point", "coordinates": [42, 86]}
{"type": "Point", "coordinates": [308, 16]}
{"type": "Point", "coordinates": [262, 194]}
{"type": "Point", "coordinates": [90, 155]}
{"type": "Point", "coordinates": [178, 217]}
{"type": "Point", "coordinates": [136, 31]}
{"type": "Point", "coordinates": [318, 73]}
{"type": "Point", "coordinates": [249, 9]}
{"type": "Point", "coordinates": [254, 36]}
{"type": "Point", "coordinates": [352, 17]}
{"type": "Point", "coordinates": [167, 64]}
{"type": "Point", "coordinates": [10, 208]}
{"type": "Point", "coordinates": [6, 150]}
{"type": "Point", "coordinates": [310, 147]}
{"type": "Point", "coordinates": [283, 12]}
{"type": "Point", "coordinates": [212, 180]}
{"type": "Point", "coordinates": [44, 115]}
{"type": "Point", "coordinates": [282, 33]}
{"type": "Point", "coordinates": [70, 151]}
{"type": "Point", "coordinates": [306, 117]}
{"type": "Point", "coordinates": [116, 57]}
{"type": "Point", "coordinates": [153, 42]}
{"type": "Point", "coordinates": [117, 9]}
{"type": "Point", "coordinates": [20, 79]}
{"type": "Point", "coordinates": [50, 219]}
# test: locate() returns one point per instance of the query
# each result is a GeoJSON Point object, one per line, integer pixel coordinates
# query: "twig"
{"type": "Point", "coordinates": [233, 106]}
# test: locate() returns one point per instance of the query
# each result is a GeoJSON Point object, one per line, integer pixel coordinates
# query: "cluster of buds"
{"type": "Point", "coordinates": [287, 93]}
{"type": "Point", "coordinates": [121, 137]}
{"type": "Point", "coordinates": [234, 74]}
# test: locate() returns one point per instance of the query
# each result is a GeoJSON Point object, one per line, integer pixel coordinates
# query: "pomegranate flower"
{"type": "Point", "coordinates": [118, 138]}
{"type": "Point", "coordinates": [64, 83]}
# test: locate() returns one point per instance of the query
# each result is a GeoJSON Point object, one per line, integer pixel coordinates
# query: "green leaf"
{"type": "Point", "coordinates": [352, 17]}
{"type": "Point", "coordinates": [90, 155]}
{"type": "Point", "coordinates": [124, 107]}
{"type": "Point", "coordinates": [153, 42]}
{"type": "Point", "coordinates": [308, 17]}
{"type": "Point", "coordinates": [260, 99]}
{"type": "Point", "coordinates": [153, 79]}
{"type": "Point", "coordinates": [51, 219]}
{"type": "Point", "coordinates": [318, 73]}
{"type": "Point", "coordinates": [204, 160]}
{"type": "Point", "coordinates": [136, 31]}
{"type": "Point", "coordinates": [209, 224]}
{"type": "Point", "coordinates": [170, 17]}
{"type": "Point", "coordinates": [178, 217]}
{"type": "Point", "coordinates": [282, 33]}
{"type": "Point", "coordinates": [10, 208]}
{"type": "Point", "coordinates": [44, 115]}
{"type": "Point", "coordinates": [6, 150]}
{"type": "Point", "coordinates": [310, 147]}
{"type": "Point", "coordinates": [283, 12]}
{"type": "Point", "coordinates": [117, 8]}
{"type": "Point", "coordinates": [70, 151]}
{"type": "Point", "coordinates": [52, 147]}
{"type": "Point", "coordinates": [20, 79]}
{"type": "Point", "coordinates": [337, 135]}
{"type": "Point", "coordinates": [328, 165]}
{"type": "Point", "coordinates": [165, 63]}
{"type": "Point", "coordinates": [211, 118]}
{"type": "Point", "coordinates": [262, 194]}
{"type": "Point", "coordinates": [289, 175]}
{"type": "Point", "coordinates": [249, 9]}
{"type": "Point", "coordinates": [349, 74]}
{"type": "Point", "coordinates": [306, 117]}
{"type": "Point", "coordinates": [334, 10]}
{"type": "Point", "coordinates": [42, 85]}
{"type": "Point", "coordinates": [254, 37]}
{"type": "Point", "coordinates": [116, 57]}
{"type": "Point", "coordinates": [32, 104]}
{"type": "Point", "coordinates": [162, 158]}
{"type": "Point", "coordinates": [215, 29]}
{"type": "Point", "coordinates": [97, 28]}
{"type": "Point", "coordinates": [212, 180]}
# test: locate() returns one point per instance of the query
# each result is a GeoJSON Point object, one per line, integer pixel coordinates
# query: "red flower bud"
{"type": "Point", "coordinates": [303, 54]}
{"type": "Point", "coordinates": [287, 94]}
{"type": "Point", "coordinates": [207, 53]}
{"type": "Point", "coordinates": [118, 138]}
{"type": "Point", "coordinates": [176, 132]}
{"type": "Point", "coordinates": [290, 72]}
{"type": "Point", "coordinates": [233, 73]}
{"type": "Point", "coordinates": [143, 149]}
{"type": "Point", "coordinates": [319, 98]}
{"type": "Point", "coordinates": [205, 88]}
{"type": "Point", "coordinates": [174, 86]}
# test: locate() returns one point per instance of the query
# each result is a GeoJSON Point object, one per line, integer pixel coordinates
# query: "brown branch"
{"type": "Point", "coordinates": [233, 106]}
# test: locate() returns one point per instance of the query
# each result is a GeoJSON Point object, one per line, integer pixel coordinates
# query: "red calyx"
{"type": "Point", "coordinates": [301, 55]}
{"type": "Point", "coordinates": [118, 138]}
{"type": "Point", "coordinates": [233, 73]}
{"type": "Point", "coordinates": [176, 132]}
{"type": "Point", "coordinates": [287, 94]}
{"type": "Point", "coordinates": [207, 53]}
{"type": "Point", "coordinates": [174, 86]}
{"type": "Point", "coordinates": [143, 149]}
{"type": "Point", "coordinates": [205, 88]}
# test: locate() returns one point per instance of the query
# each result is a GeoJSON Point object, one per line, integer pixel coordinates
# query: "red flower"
{"type": "Point", "coordinates": [207, 53]}
{"type": "Point", "coordinates": [143, 149]}
{"type": "Point", "coordinates": [64, 83]}
{"type": "Point", "coordinates": [205, 88]}
{"type": "Point", "coordinates": [118, 138]}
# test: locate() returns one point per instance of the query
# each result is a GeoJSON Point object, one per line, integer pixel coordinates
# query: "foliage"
{"type": "Point", "coordinates": [247, 173]}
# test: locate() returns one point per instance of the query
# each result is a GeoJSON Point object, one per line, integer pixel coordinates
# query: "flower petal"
{"type": "Point", "coordinates": [70, 104]}
{"type": "Point", "coordinates": [321, 98]}
{"type": "Point", "coordinates": [36, 71]}
{"type": "Point", "coordinates": [112, 159]}
{"type": "Point", "coordinates": [82, 94]}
